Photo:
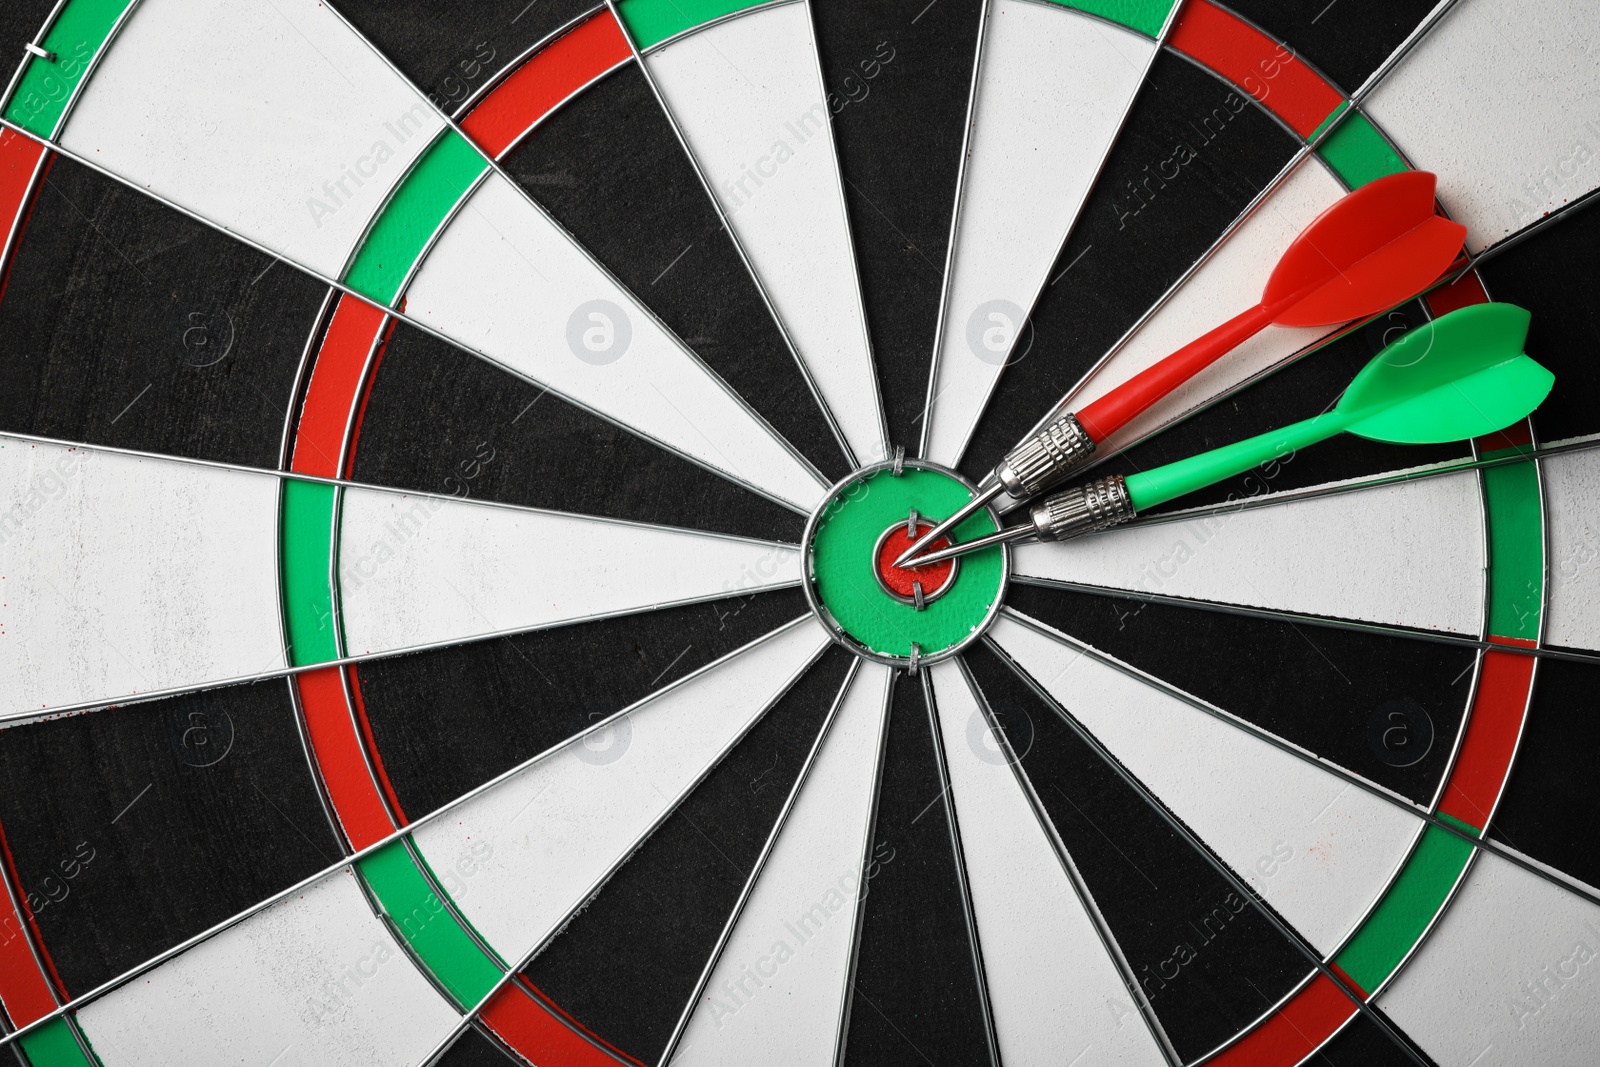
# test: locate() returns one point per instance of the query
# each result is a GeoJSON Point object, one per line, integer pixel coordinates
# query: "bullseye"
{"type": "Point", "coordinates": [902, 582]}
{"type": "Point", "coordinates": [904, 616]}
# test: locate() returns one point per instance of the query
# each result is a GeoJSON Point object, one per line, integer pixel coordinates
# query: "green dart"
{"type": "Point", "coordinates": [1461, 376]}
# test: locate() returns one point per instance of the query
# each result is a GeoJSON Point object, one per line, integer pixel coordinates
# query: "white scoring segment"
{"type": "Point", "coordinates": [747, 94]}
{"type": "Point", "coordinates": [1502, 100]}
{"type": "Point", "coordinates": [313, 980]}
{"type": "Point", "coordinates": [424, 570]}
{"type": "Point", "coordinates": [783, 976]}
{"type": "Point", "coordinates": [122, 575]}
{"type": "Point", "coordinates": [1409, 554]}
{"type": "Point", "coordinates": [1511, 974]}
{"type": "Point", "coordinates": [1319, 850]}
{"type": "Point", "coordinates": [1572, 497]}
{"type": "Point", "coordinates": [272, 120]}
{"type": "Point", "coordinates": [1052, 88]}
{"type": "Point", "coordinates": [1054, 991]}
{"type": "Point", "coordinates": [278, 123]}
{"type": "Point", "coordinates": [555, 831]}
{"type": "Point", "coordinates": [507, 282]}
{"type": "Point", "coordinates": [1228, 282]}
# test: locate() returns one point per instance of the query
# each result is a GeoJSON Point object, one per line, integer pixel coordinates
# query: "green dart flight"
{"type": "Point", "coordinates": [1461, 376]}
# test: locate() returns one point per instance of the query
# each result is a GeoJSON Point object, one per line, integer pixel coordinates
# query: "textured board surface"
{"type": "Point", "coordinates": [640, 765]}
{"type": "Point", "coordinates": [1277, 810]}
{"type": "Point", "coordinates": [161, 575]}
{"type": "Point", "coordinates": [610, 168]}
{"type": "Point", "coordinates": [583, 309]}
{"type": "Point", "coordinates": [430, 570]}
{"type": "Point", "coordinates": [126, 324]}
{"type": "Point", "coordinates": [299, 158]}
{"type": "Point", "coordinates": [1036, 58]}
{"type": "Point", "coordinates": [1330, 572]}
{"type": "Point", "coordinates": [1525, 144]}
{"type": "Point", "coordinates": [796, 927]}
{"type": "Point", "coordinates": [506, 281]}
{"type": "Point", "coordinates": [897, 78]}
{"type": "Point", "coordinates": [453, 51]}
{"type": "Point", "coordinates": [765, 145]}
{"type": "Point", "coordinates": [627, 964]}
{"type": "Point", "coordinates": [1028, 914]}
{"type": "Point", "coordinates": [1455, 1004]}
{"type": "Point", "coordinates": [267, 987]}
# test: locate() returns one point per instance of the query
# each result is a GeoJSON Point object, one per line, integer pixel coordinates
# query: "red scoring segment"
{"type": "Point", "coordinates": [340, 734]}
{"type": "Point", "coordinates": [544, 82]}
{"type": "Point", "coordinates": [934, 578]}
{"type": "Point", "coordinates": [520, 1016]}
{"type": "Point", "coordinates": [26, 980]}
{"type": "Point", "coordinates": [1267, 70]}
{"type": "Point", "coordinates": [330, 697]}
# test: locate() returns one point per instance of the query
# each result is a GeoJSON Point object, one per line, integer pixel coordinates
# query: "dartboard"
{"type": "Point", "coordinates": [459, 463]}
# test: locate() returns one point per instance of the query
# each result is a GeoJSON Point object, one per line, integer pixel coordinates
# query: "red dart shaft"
{"type": "Point", "coordinates": [1119, 407]}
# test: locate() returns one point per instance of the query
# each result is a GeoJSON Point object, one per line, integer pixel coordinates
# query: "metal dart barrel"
{"type": "Point", "coordinates": [1082, 509]}
{"type": "Point", "coordinates": [1070, 513]}
{"type": "Point", "coordinates": [1043, 459]}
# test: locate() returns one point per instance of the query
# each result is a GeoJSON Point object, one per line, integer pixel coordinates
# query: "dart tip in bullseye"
{"type": "Point", "coordinates": [982, 498]}
{"type": "Point", "coordinates": [1013, 533]}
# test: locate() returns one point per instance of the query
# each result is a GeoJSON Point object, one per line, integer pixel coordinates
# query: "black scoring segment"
{"type": "Point", "coordinates": [1362, 1043]}
{"type": "Point", "coordinates": [1209, 962]}
{"type": "Point", "coordinates": [473, 1049]}
{"type": "Point", "coordinates": [1327, 690]}
{"type": "Point", "coordinates": [20, 21]}
{"type": "Point", "coordinates": [124, 322]}
{"type": "Point", "coordinates": [916, 979]}
{"type": "Point", "coordinates": [511, 698]}
{"type": "Point", "coordinates": [135, 828]}
{"type": "Point", "coordinates": [608, 167]}
{"type": "Point", "coordinates": [1551, 806]}
{"type": "Point", "coordinates": [627, 965]}
{"type": "Point", "coordinates": [439, 420]}
{"type": "Point", "coordinates": [1347, 41]}
{"type": "Point", "coordinates": [898, 76]}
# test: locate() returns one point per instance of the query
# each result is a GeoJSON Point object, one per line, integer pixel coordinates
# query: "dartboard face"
{"type": "Point", "coordinates": [456, 461]}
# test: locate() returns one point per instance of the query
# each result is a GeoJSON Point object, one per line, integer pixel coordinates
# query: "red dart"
{"type": "Point", "coordinates": [1379, 246]}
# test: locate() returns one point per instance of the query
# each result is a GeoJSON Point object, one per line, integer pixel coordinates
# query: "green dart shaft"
{"type": "Point", "coordinates": [1161, 484]}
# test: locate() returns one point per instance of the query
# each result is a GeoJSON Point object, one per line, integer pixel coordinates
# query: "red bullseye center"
{"type": "Point", "coordinates": [901, 581]}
